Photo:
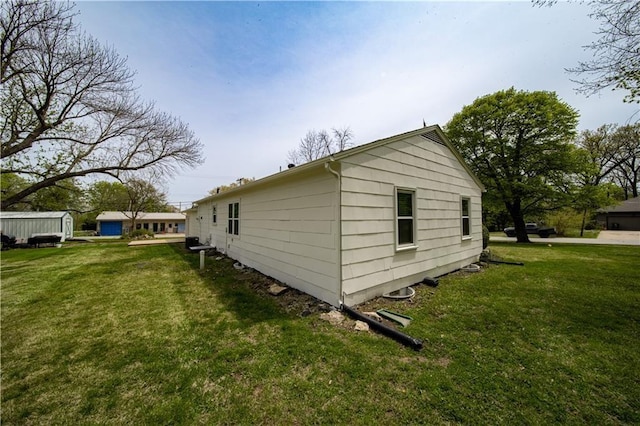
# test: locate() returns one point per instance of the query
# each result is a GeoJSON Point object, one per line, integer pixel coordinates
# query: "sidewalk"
{"type": "Point", "coordinates": [624, 238]}
{"type": "Point", "coordinates": [159, 239]}
{"type": "Point", "coordinates": [156, 241]}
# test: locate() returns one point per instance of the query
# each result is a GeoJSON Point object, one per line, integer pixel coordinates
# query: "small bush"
{"type": "Point", "coordinates": [140, 234]}
{"type": "Point", "coordinates": [564, 220]}
{"type": "Point", "coordinates": [485, 237]}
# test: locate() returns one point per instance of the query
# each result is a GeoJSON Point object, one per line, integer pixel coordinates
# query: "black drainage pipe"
{"type": "Point", "coordinates": [387, 331]}
{"type": "Point", "coordinates": [502, 262]}
{"type": "Point", "coordinates": [431, 282]}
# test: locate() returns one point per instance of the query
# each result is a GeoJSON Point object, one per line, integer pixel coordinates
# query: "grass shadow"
{"type": "Point", "coordinates": [234, 288]}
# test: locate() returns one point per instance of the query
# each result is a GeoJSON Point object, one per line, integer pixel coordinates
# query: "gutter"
{"type": "Point", "coordinates": [328, 168]}
{"type": "Point", "coordinates": [344, 154]}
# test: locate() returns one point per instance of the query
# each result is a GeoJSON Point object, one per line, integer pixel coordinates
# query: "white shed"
{"type": "Point", "coordinates": [356, 224]}
{"type": "Point", "coordinates": [23, 225]}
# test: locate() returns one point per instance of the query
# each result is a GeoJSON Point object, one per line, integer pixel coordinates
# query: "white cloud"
{"type": "Point", "coordinates": [251, 78]}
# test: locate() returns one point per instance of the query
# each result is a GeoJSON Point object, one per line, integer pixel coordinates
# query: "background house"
{"type": "Point", "coordinates": [356, 224]}
{"type": "Point", "coordinates": [625, 216]}
{"type": "Point", "coordinates": [193, 221]}
{"type": "Point", "coordinates": [117, 223]}
{"type": "Point", "coordinates": [23, 225]}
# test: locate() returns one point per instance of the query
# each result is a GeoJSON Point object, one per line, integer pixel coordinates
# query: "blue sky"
{"type": "Point", "coordinates": [252, 78]}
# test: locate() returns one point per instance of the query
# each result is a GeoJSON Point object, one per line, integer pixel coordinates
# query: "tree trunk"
{"type": "Point", "coordinates": [584, 218]}
{"type": "Point", "coordinates": [515, 210]}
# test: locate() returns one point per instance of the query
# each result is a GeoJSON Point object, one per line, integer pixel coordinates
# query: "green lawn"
{"type": "Point", "coordinates": [571, 233]}
{"type": "Point", "coordinates": [103, 333]}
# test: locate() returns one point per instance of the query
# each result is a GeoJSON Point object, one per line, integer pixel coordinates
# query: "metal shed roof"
{"type": "Point", "coordinates": [107, 216]}
{"type": "Point", "coordinates": [32, 215]}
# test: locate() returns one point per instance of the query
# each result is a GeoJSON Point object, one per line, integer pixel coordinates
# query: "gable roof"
{"type": "Point", "coordinates": [433, 133]}
{"type": "Point", "coordinates": [32, 215]}
{"type": "Point", "coordinates": [115, 216]}
{"type": "Point", "coordinates": [631, 205]}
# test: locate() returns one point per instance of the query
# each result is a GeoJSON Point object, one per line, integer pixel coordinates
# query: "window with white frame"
{"type": "Point", "coordinates": [214, 214]}
{"type": "Point", "coordinates": [465, 217]}
{"type": "Point", "coordinates": [234, 219]}
{"type": "Point", "coordinates": [405, 218]}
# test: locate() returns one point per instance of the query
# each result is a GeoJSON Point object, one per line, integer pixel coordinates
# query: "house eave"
{"type": "Point", "coordinates": [294, 171]}
{"type": "Point", "coordinates": [266, 180]}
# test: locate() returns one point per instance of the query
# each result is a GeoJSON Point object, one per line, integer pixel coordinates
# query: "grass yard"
{"type": "Point", "coordinates": [571, 233]}
{"type": "Point", "coordinates": [103, 333]}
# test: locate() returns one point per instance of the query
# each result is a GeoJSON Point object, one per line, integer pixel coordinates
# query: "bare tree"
{"type": "Point", "coordinates": [616, 52]}
{"type": "Point", "coordinates": [311, 147]}
{"type": "Point", "coordinates": [318, 144]}
{"type": "Point", "coordinates": [601, 153]}
{"type": "Point", "coordinates": [21, 22]}
{"type": "Point", "coordinates": [143, 196]}
{"type": "Point", "coordinates": [342, 138]}
{"type": "Point", "coordinates": [627, 138]}
{"type": "Point", "coordinates": [611, 154]}
{"type": "Point", "coordinates": [69, 107]}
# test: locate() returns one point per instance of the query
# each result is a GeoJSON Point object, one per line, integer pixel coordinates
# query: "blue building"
{"type": "Point", "coordinates": [119, 223]}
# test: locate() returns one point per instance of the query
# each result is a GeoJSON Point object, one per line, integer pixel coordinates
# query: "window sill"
{"type": "Point", "coordinates": [406, 248]}
{"type": "Point", "coordinates": [467, 238]}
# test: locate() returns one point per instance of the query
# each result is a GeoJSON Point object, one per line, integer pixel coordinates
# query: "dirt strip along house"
{"type": "Point", "coordinates": [356, 224]}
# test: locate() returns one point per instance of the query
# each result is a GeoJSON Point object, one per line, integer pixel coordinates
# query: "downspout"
{"type": "Point", "coordinates": [327, 166]}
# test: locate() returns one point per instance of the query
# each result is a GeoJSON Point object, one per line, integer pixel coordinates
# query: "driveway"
{"type": "Point", "coordinates": [633, 236]}
{"type": "Point", "coordinates": [625, 238]}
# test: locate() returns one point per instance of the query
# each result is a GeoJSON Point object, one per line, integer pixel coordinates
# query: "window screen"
{"type": "Point", "coordinates": [405, 217]}
{"type": "Point", "coordinates": [465, 217]}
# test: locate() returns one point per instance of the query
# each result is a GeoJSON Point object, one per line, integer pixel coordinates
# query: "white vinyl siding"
{"type": "Point", "coordinates": [342, 243]}
{"type": "Point", "coordinates": [289, 231]}
{"type": "Point", "coordinates": [192, 224]}
{"type": "Point", "coordinates": [371, 262]}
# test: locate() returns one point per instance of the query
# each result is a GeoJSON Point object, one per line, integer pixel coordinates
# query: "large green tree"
{"type": "Point", "coordinates": [66, 195]}
{"type": "Point", "coordinates": [10, 184]}
{"type": "Point", "coordinates": [69, 107]}
{"type": "Point", "coordinates": [519, 145]}
{"type": "Point", "coordinates": [107, 196]}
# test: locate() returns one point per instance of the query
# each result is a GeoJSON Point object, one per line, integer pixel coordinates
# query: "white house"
{"type": "Point", "coordinates": [113, 223]}
{"type": "Point", "coordinates": [356, 224]}
{"type": "Point", "coordinates": [23, 225]}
